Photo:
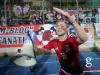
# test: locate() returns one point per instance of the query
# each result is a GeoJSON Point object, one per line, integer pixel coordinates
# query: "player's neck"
{"type": "Point", "coordinates": [63, 37]}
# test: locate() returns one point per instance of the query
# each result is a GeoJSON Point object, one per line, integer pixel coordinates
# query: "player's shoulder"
{"type": "Point", "coordinates": [54, 39]}
{"type": "Point", "coordinates": [72, 36]}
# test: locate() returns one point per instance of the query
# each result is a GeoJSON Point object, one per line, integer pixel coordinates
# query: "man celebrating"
{"type": "Point", "coordinates": [67, 46]}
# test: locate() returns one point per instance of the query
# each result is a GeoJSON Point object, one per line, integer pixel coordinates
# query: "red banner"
{"type": "Point", "coordinates": [15, 36]}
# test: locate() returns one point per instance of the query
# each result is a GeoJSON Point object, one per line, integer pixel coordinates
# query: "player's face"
{"type": "Point", "coordinates": [61, 28]}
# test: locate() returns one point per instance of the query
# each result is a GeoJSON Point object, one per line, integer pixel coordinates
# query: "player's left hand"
{"type": "Point", "coordinates": [64, 13]}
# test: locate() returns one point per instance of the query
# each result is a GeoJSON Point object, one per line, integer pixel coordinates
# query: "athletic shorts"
{"type": "Point", "coordinates": [71, 71]}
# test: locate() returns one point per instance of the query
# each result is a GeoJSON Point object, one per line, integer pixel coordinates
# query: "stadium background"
{"type": "Point", "coordinates": [38, 13]}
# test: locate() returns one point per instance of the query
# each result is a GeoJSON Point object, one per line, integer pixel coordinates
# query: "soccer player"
{"type": "Point", "coordinates": [67, 45]}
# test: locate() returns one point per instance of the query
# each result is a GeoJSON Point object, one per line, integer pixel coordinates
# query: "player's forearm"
{"type": "Point", "coordinates": [41, 49]}
{"type": "Point", "coordinates": [80, 31]}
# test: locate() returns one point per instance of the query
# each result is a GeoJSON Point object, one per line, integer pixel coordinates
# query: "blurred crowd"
{"type": "Point", "coordinates": [49, 16]}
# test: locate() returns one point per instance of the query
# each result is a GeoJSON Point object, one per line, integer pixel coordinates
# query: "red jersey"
{"type": "Point", "coordinates": [67, 51]}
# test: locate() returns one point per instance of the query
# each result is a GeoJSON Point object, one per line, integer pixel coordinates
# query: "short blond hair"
{"type": "Point", "coordinates": [62, 21]}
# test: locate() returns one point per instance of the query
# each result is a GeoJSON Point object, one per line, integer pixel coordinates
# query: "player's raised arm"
{"type": "Point", "coordinates": [81, 32]}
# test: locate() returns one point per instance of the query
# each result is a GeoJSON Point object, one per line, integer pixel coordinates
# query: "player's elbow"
{"type": "Point", "coordinates": [85, 38]}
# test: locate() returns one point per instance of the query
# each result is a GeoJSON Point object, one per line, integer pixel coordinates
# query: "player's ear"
{"type": "Point", "coordinates": [56, 32]}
